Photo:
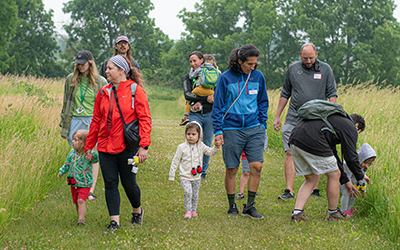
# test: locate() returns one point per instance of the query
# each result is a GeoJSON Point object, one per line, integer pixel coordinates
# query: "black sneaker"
{"type": "Point", "coordinates": [137, 218]}
{"type": "Point", "coordinates": [233, 210]}
{"type": "Point", "coordinates": [251, 211]}
{"type": "Point", "coordinates": [203, 176]}
{"type": "Point", "coordinates": [315, 193]}
{"type": "Point", "coordinates": [286, 195]}
{"type": "Point", "coordinates": [112, 227]}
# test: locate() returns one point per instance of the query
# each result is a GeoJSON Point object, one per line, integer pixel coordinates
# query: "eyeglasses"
{"type": "Point", "coordinates": [122, 43]}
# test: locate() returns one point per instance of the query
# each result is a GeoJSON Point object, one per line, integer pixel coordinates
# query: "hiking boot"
{"type": "Point", "coordinates": [240, 196]}
{"type": "Point", "coordinates": [112, 227]}
{"type": "Point", "coordinates": [137, 218]}
{"type": "Point", "coordinates": [185, 120]}
{"type": "Point", "coordinates": [286, 195]}
{"type": "Point", "coordinates": [338, 215]}
{"type": "Point", "coordinates": [233, 210]}
{"type": "Point", "coordinates": [299, 217]}
{"type": "Point", "coordinates": [251, 211]}
{"type": "Point", "coordinates": [315, 193]}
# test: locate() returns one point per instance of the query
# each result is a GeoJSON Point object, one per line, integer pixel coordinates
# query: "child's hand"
{"type": "Point", "coordinates": [366, 178]}
{"type": "Point", "coordinates": [89, 155]}
{"type": "Point", "coordinates": [59, 175]}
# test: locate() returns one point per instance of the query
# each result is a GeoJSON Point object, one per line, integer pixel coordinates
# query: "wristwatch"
{"type": "Point", "coordinates": [145, 148]}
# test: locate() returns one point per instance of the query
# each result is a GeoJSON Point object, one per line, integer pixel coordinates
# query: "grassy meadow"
{"type": "Point", "coordinates": [36, 209]}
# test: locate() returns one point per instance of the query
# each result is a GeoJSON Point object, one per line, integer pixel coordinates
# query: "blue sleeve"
{"type": "Point", "coordinates": [262, 103]}
{"type": "Point", "coordinates": [218, 110]}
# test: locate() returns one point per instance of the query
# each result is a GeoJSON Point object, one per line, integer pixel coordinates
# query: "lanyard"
{"type": "Point", "coordinates": [84, 93]}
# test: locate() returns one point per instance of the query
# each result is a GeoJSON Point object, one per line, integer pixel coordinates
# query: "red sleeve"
{"type": "Point", "coordinates": [142, 109]}
{"type": "Point", "coordinates": [91, 139]}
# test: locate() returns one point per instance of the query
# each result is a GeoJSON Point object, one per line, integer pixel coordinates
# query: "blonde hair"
{"type": "Point", "coordinates": [81, 135]}
{"type": "Point", "coordinates": [210, 59]}
{"type": "Point", "coordinates": [76, 78]}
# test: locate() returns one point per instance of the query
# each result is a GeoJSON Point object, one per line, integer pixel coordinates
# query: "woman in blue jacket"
{"type": "Point", "coordinates": [239, 116]}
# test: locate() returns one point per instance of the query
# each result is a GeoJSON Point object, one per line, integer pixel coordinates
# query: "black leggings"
{"type": "Point", "coordinates": [113, 167]}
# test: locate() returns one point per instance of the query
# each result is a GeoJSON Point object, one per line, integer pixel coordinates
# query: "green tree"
{"type": "Point", "coordinates": [8, 12]}
{"type": "Point", "coordinates": [32, 49]}
{"type": "Point", "coordinates": [96, 23]}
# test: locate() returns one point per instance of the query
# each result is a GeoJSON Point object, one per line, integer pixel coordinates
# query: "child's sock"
{"type": "Point", "coordinates": [251, 196]}
{"type": "Point", "coordinates": [231, 199]}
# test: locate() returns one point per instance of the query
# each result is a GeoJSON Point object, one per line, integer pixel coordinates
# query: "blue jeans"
{"type": "Point", "coordinates": [206, 123]}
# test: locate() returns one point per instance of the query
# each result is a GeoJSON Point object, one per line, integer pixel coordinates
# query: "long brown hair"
{"type": "Point", "coordinates": [133, 73]}
{"type": "Point", "coordinates": [76, 78]}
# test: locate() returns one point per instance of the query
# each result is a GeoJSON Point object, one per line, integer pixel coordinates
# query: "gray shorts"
{"type": "Point", "coordinates": [306, 163]}
{"type": "Point", "coordinates": [251, 141]}
{"type": "Point", "coordinates": [77, 123]}
{"type": "Point", "coordinates": [286, 131]}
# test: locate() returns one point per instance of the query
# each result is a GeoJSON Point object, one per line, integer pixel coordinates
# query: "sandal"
{"type": "Point", "coordinates": [81, 222]}
{"type": "Point", "coordinates": [92, 197]}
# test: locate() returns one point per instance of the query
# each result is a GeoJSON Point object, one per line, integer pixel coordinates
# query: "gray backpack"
{"type": "Point", "coordinates": [320, 110]}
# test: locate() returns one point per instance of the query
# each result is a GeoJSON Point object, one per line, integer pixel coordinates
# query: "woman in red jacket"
{"type": "Point", "coordinates": [107, 130]}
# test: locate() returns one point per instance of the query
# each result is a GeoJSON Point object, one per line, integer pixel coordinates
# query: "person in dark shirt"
{"type": "Point", "coordinates": [314, 153]}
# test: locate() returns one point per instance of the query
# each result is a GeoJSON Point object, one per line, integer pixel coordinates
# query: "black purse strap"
{"type": "Point", "coordinates": [119, 109]}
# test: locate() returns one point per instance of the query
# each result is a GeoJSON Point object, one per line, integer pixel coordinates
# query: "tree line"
{"type": "Point", "coordinates": [360, 39]}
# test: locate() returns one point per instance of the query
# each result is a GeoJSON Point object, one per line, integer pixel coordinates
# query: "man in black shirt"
{"type": "Point", "coordinates": [314, 153]}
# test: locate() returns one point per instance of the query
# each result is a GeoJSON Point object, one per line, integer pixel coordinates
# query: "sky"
{"type": "Point", "coordinates": [165, 14]}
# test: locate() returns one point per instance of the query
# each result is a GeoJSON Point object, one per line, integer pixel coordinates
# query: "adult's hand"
{"type": "Point", "coordinates": [219, 140]}
{"type": "Point", "coordinates": [142, 153]}
{"type": "Point", "coordinates": [196, 106]}
{"type": "Point", "coordinates": [277, 123]}
{"type": "Point", "coordinates": [353, 191]}
{"type": "Point", "coordinates": [88, 155]}
{"type": "Point", "coordinates": [210, 98]}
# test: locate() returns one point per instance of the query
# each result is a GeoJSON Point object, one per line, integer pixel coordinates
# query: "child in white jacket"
{"type": "Point", "coordinates": [189, 159]}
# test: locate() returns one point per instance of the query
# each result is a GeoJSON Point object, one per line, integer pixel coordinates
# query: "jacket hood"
{"type": "Point", "coordinates": [201, 131]}
{"type": "Point", "coordinates": [207, 65]}
{"type": "Point", "coordinates": [365, 152]}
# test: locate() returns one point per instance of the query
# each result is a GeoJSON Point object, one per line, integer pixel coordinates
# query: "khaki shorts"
{"type": "Point", "coordinates": [306, 163]}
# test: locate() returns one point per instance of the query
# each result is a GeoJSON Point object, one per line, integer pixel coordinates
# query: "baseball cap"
{"type": "Point", "coordinates": [121, 38]}
{"type": "Point", "coordinates": [83, 56]}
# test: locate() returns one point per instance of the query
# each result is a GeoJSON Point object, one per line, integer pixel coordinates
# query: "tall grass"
{"type": "Point", "coordinates": [30, 147]}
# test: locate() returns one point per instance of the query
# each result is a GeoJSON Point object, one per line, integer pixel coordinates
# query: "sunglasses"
{"type": "Point", "coordinates": [122, 43]}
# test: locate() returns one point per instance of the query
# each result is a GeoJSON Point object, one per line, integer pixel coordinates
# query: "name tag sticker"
{"type": "Point", "coordinates": [253, 91]}
{"type": "Point", "coordinates": [317, 76]}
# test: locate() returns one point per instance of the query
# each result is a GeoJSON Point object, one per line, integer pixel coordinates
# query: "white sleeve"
{"type": "Point", "coordinates": [175, 163]}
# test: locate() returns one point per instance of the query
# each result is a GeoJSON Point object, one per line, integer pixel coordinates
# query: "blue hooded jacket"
{"type": "Point", "coordinates": [250, 110]}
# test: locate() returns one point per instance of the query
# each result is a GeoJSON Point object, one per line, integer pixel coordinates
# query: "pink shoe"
{"type": "Point", "coordinates": [194, 214]}
{"type": "Point", "coordinates": [352, 210]}
{"type": "Point", "coordinates": [348, 213]}
{"type": "Point", "coordinates": [188, 215]}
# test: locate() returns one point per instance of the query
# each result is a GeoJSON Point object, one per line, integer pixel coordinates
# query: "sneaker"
{"type": "Point", "coordinates": [347, 212]}
{"type": "Point", "coordinates": [233, 210]}
{"type": "Point", "coordinates": [81, 222]}
{"type": "Point", "coordinates": [188, 215]}
{"type": "Point", "coordinates": [185, 120]}
{"type": "Point", "coordinates": [338, 215]}
{"type": "Point", "coordinates": [92, 197]}
{"type": "Point", "coordinates": [240, 196]}
{"type": "Point", "coordinates": [315, 193]}
{"type": "Point", "coordinates": [203, 176]}
{"type": "Point", "coordinates": [352, 210]}
{"type": "Point", "coordinates": [137, 218]}
{"type": "Point", "coordinates": [251, 211]}
{"type": "Point", "coordinates": [286, 195]}
{"type": "Point", "coordinates": [299, 217]}
{"type": "Point", "coordinates": [112, 227]}
{"type": "Point", "coordinates": [194, 214]}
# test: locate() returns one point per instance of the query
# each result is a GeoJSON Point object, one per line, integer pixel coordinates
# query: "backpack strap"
{"type": "Point", "coordinates": [133, 90]}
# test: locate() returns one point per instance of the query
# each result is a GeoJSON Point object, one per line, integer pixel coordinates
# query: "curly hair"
{"type": "Point", "coordinates": [360, 120]}
{"type": "Point", "coordinates": [242, 53]}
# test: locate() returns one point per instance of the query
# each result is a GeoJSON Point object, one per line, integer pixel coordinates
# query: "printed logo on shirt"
{"type": "Point", "coordinates": [318, 76]}
{"type": "Point", "coordinates": [253, 91]}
